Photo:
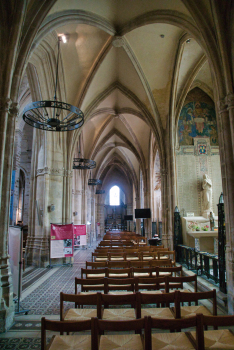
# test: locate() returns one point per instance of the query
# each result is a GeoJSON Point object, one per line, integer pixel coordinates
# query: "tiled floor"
{"type": "Point", "coordinates": [40, 294]}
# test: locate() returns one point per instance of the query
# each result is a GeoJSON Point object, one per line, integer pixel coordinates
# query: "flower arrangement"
{"type": "Point", "coordinates": [205, 228]}
{"type": "Point", "coordinates": [193, 226]}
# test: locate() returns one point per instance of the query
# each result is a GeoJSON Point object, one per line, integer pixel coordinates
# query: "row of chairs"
{"type": "Point", "coordinates": [119, 264]}
{"type": "Point", "coordinates": [100, 338]}
{"type": "Point", "coordinates": [164, 305]}
{"type": "Point", "coordinates": [123, 256]}
{"type": "Point", "coordinates": [130, 249]}
{"type": "Point", "coordinates": [154, 271]}
{"type": "Point", "coordinates": [160, 284]}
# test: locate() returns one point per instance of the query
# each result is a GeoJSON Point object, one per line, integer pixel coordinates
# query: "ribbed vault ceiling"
{"type": "Point", "coordinates": [126, 84]}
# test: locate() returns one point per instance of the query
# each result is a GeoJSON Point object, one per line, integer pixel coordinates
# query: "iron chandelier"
{"type": "Point", "coordinates": [94, 182]}
{"type": "Point", "coordinates": [53, 115]}
{"type": "Point", "coordinates": [82, 163]}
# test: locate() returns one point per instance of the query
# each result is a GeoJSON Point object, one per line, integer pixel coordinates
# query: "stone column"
{"type": "Point", "coordinates": [130, 212]}
{"type": "Point", "coordinates": [100, 213]}
{"type": "Point", "coordinates": [138, 221]}
{"type": "Point", "coordinates": [16, 168]}
{"type": "Point", "coordinates": [225, 130]}
{"type": "Point", "coordinates": [8, 113]}
{"type": "Point", "coordinates": [93, 217]}
{"type": "Point", "coordinates": [165, 238]}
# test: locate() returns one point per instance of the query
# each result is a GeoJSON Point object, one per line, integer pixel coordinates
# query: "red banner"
{"type": "Point", "coordinates": [61, 241]}
{"type": "Point", "coordinates": [80, 235]}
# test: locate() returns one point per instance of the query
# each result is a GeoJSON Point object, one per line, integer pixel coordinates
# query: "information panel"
{"type": "Point", "coordinates": [80, 235]}
{"type": "Point", "coordinates": [61, 241]}
{"type": "Point", "coordinates": [15, 245]}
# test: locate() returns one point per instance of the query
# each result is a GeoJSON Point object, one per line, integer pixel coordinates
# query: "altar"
{"type": "Point", "coordinates": [197, 234]}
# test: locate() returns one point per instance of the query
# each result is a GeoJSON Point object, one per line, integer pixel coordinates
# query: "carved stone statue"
{"type": "Point", "coordinates": [206, 195]}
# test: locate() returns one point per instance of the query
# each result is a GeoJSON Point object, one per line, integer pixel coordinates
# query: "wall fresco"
{"type": "Point", "coordinates": [197, 119]}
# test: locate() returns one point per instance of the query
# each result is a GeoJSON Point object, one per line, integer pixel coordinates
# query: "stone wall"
{"type": "Point", "coordinates": [191, 164]}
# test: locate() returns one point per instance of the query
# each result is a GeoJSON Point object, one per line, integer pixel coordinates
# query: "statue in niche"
{"type": "Point", "coordinates": [206, 195]}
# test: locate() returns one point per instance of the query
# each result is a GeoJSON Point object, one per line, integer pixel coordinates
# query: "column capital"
{"type": "Point", "coordinates": [229, 99]}
{"type": "Point", "coordinates": [5, 104]}
{"type": "Point", "coordinates": [14, 109]}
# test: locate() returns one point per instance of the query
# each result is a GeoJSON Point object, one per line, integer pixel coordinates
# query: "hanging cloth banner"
{"type": "Point", "coordinates": [80, 235]}
{"type": "Point", "coordinates": [61, 241]}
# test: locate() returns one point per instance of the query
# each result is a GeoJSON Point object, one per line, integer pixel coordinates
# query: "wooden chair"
{"type": "Point", "coordinates": [139, 263]}
{"type": "Point", "coordinates": [167, 255]}
{"type": "Point", "coordinates": [119, 273]}
{"type": "Point", "coordinates": [132, 256]}
{"type": "Point", "coordinates": [78, 313]}
{"type": "Point", "coordinates": [99, 257]}
{"type": "Point", "coordinates": [150, 284]}
{"type": "Point", "coordinates": [179, 340]}
{"type": "Point", "coordinates": [118, 264]}
{"type": "Point", "coordinates": [90, 285]}
{"type": "Point", "coordinates": [120, 286]}
{"type": "Point", "coordinates": [178, 283]}
{"type": "Point", "coordinates": [93, 273]}
{"type": "Point", "coordinates": [117, 314]}
{"type": "Point", "coordinates": [187, 311]}
{"type": "Point", "coordinates": [77, 341]}
{"type": "Point", "coordinates": [218, 338]}
{"type": "Point", "coordinates": [96, 264]}
{"type": "Point", "coordinates": [116, 256]}
{"type": "Point", "coordinates": [142, 271]}
{"type": "Point", "coordinates": [148, 255]}
{"type": "Point", "coordinates": [169, 271]}
{"type": "Point", "coordinates": [128, 341]}
{"type": "Point", "coordinates": [158, 264]}
{"type": "Point", "coordinates": [156, 299]}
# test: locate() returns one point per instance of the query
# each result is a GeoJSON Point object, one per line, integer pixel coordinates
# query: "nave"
{"type": "Point", "coordinates": [41, 290]}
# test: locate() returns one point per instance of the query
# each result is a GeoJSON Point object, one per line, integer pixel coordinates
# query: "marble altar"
{"type": "Point", "coordinates": [197, 233]}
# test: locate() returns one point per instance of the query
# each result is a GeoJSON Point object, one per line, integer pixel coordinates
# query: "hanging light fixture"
{"type": "Point", "coordinates": [82, 163]}
{"type": "Point", "coordinates": [94, 182]}
{"type": "Point", "coordinates": [53, 115]}
{"type": "Point", "coordinates": [100, 191]}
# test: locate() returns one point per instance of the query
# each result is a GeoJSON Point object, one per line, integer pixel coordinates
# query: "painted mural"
{"type": "Point", "coordinates": [197, 118]}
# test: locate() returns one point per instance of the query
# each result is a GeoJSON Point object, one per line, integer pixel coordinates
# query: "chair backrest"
{"type": "Point", "coordinates": [127, 284]}
{"type": "Point", "coordinates": [177, 324]}
{"type": "Point", "coordinates": [116, 256]}
{"type": "Point", "coordinates": [142, 271]}
{"type": "Point", "coordinates": [93, 273]}
{"type": "Point", "coordinates": [139, 263]}
{"type": "Point", "coordinates": [118, 264]}
{"type": "Point", "coordinates": [162, 298]}
{"type": "Point", "coordinates": [170, 254]}
{"type": "Point", "coordinates": [173, 270]}
{"type": "Point", "coordinates": [79, 300]}
{"type": "Point", "coordinates": [183, 297]}
{"type": "Point", "coordinates": [123, 299]}
{"type": "Point", "coordinates": [178, 282]}
{"type": "Point", "coordinates": [90, 284]}
{"type": "Point", "coordinates": [96, 264]}
{"type": "Point", "coordinates": [99, 326]}
{"type": "Point", "coordinates": [218, 321]}
{"type": "Point", "coordinates": [61, 326]}
{"type": "Point", "coordinates": [119, 273]}
{"type": "Point", "coordinates": [160, 263]}
{"type": "Point", "coordinates": [103, 255]}
{"type": "Point", "coordinates": [150, 283]}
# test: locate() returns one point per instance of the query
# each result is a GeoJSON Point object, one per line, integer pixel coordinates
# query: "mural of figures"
{"type": "Point", "coordinates": [197, 118]}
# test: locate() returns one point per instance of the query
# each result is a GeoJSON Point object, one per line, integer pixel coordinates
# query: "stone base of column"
{"type": "Point", "coordinates": [230, 281]}
{"type": "Point", "coordinates": [37, 252]}
{"type": "Point", "coordinates": [7, 311]}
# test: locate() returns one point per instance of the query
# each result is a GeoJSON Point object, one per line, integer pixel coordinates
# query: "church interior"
{"type": "Point", "coordinates": [116, 117]}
